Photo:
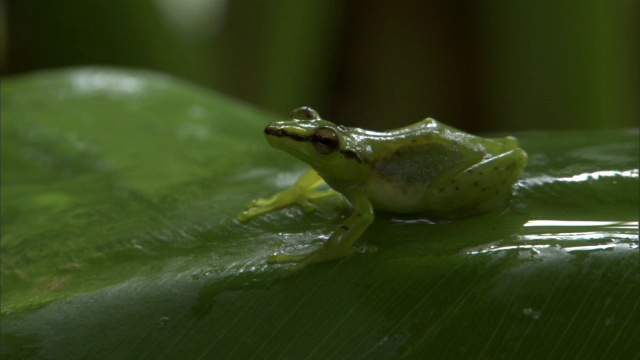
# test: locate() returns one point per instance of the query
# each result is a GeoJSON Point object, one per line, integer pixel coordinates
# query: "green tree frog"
{"type": "Point", "coordinates": [427, 167]}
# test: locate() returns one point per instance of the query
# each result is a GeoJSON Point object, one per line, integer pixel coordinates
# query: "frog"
{"type": "Point", "coordinates": [427, 168]}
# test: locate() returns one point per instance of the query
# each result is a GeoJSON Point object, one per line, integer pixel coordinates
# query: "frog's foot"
{"type": "Point", "coordinates": [303, 190]}
{"type": "Point", "coordinates": [303, 260]}
{"type": "Point", "coordinates": [292, 196]}
{"type": "Point", "coordinates": [277, 201]}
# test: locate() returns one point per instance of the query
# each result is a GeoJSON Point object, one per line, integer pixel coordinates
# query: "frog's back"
{"type": "Point", "coordinates": [428, 151]}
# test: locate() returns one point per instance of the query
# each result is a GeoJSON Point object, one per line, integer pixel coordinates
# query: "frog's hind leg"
{"type": "Point", "coordinates": [480, 188]}
{"type": "Point", "coordinates": [340, 242]}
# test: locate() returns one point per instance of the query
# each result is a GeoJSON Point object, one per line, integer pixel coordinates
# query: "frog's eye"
{"type": "Point", "coordinates": [304, 113]}
{"type": "Point", "coordinates": [324, 140]}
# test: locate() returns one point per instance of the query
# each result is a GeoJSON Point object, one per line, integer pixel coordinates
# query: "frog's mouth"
{"type": "Point", "coordinates": [287, 140]}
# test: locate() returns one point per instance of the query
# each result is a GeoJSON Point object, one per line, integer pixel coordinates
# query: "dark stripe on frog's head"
{"type": "Point", "coordinates": [281, 133]}
{"type": "Point", "coordinates": [349, 154]}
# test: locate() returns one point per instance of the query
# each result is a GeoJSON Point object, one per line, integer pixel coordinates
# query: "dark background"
{"type": "Point", "coordinates": [478, 65]}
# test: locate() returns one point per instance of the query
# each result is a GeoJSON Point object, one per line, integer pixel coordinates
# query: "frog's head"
{"type": "Point", "coordinates": [327, 147]}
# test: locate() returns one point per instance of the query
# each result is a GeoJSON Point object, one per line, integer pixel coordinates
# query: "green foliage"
{"type": "Point", "coordinates": [119, 240]}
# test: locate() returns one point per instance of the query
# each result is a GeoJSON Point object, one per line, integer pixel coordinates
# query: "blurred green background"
{"type": "Point", "coordinates": [118, 232]}
{"type": "Point", "coordinates": [478, 65]}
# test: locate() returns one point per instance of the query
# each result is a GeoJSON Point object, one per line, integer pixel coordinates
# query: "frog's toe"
{"type": "Point", "coordinates": [244, 216]}
{"type": "Point", "coordinates": [260, 202]}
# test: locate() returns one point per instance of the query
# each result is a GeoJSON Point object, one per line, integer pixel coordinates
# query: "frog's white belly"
{"type": "Point", "coordinates": [397, 196]}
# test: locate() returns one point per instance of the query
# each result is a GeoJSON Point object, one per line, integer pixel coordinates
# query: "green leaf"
{"type": "Point", "coordinates": [119, 240]}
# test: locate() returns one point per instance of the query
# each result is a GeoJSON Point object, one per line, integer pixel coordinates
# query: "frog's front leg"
{"type": "Point", "coordinates": [299, 193]}
{"type": "Point", "coordinates": [341, 241]}
{"type": "Point", "coordinates": [480, 188]}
